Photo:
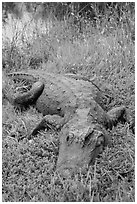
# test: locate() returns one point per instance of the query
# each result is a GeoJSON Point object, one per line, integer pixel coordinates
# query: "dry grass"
{"type": "Point", "coordinates": [29, 168]}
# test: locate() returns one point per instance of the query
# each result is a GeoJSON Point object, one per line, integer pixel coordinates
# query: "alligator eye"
{"type": "Point", "coordinates": [88, 138]}
{"type": "Point", "coordinates": [67, 139]}
{"type": "Point", "coordinates": [58, 108]}
{"type": "Point", "coordinates": [100, 140]}
{"type": "Point", "coordinates": [70, 138]}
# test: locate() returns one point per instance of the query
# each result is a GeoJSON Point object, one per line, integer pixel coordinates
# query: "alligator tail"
{"type": "Point", "coordinates": [25, 99]}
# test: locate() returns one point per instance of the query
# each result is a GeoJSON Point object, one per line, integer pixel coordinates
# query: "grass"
{"type": "Point", "coordinates": [105, 51]}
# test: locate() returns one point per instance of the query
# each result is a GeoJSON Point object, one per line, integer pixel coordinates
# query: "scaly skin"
{"type": "Point", "coordinates": [75, 105]}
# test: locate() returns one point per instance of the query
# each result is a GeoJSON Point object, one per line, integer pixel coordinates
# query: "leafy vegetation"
{"type": "Point", "coordinates": [71, 41]}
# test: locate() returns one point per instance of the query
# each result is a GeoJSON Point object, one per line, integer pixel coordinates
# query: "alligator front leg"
{"type": "Point", "coordinates": [54, 122]}
{"type": "Point", "coordinates": [117, 115]}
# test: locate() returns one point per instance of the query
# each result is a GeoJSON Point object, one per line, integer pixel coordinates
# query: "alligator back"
{"type": "Point", "coordinates": [61, 93]}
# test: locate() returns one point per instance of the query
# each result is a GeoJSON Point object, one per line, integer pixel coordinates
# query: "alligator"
{"type": "Point", "coordinates": [75, 106]}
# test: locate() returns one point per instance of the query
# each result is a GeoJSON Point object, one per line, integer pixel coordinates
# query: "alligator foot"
{"type": "Point", "coordinates": [117, 115]}
{"type": "Point", "coordinates": [54, 122]}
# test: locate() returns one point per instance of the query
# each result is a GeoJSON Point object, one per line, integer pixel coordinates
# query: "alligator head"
{"type": "Point", "coordinates": [82, 139]}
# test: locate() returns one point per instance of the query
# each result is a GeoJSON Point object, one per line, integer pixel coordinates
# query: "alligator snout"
{"type": "Point", "coordinates": [79, 147]}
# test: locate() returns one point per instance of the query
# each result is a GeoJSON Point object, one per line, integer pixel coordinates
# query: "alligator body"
{"type": "Point", "coordinates": [76, 106]}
